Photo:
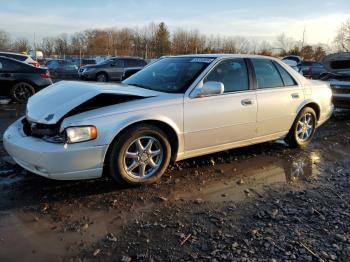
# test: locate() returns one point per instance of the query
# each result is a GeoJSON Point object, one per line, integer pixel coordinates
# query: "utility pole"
{"type": "Point", "coordinates": [303, 39]}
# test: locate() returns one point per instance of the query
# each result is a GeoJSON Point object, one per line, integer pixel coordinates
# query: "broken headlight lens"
{"type": "Point", "coordinates": [81, 134]}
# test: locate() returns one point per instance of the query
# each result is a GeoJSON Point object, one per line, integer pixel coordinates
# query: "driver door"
{"type": "Point", "coordinates": [116, 69]}
{"type": "Point", "coordinates": [219, 122]}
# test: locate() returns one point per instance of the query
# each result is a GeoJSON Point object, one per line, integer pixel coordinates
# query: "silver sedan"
{"type": "Point", "coordinates": [175, 108]}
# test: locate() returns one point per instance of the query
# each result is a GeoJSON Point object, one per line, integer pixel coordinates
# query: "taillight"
{"type": "Point", "coordinates": [45, 75]}
{"type": "Point", "coordinates": [36, 64]}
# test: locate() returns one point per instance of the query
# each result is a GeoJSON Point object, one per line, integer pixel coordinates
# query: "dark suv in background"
{"type": "Point", "coordinates": [312, 69]}
{"type": "Point", "coordinates": [62, 69]}
{"type": "Point", "coordinates": [116, 68]}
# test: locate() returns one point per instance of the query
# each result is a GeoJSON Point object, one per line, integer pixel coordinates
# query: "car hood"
{"type": "Point", "coordinates": [89, 66]}
{"type": "Point", "coordinates": [51, 104]}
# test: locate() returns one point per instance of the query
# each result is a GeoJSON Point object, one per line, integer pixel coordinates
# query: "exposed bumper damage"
{"type": "Point", "coordinates": [38, 143]}
{"type": "Point", "coordinates": [53, 160]}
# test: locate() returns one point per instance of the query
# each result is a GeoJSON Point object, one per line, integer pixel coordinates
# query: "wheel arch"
{"type": "Point", "coordinates": [27, 81]}
{"type": "Point", "coordinates": [312, 104]}
{"type": "Point", "coordinates": [169, 130]}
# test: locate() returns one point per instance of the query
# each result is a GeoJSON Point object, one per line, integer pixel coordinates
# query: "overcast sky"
{"type": "Point", "coordinates": [249, 18]}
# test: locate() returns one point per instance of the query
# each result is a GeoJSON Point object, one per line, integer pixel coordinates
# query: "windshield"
{"type": "Point", "coordinates": [105, 62]}
{"type": "Point", "coordinates": [171, 75]}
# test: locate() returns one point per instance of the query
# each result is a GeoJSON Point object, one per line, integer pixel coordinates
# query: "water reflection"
{"type": "Point", "coordinates": [251, 177]}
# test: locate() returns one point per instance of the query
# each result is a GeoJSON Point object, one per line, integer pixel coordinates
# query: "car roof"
{"type": "Point", "coordinates": [127, 57]}
{"type": "Point", "coordinates": [12, 53]}
{"type": "Point", "coordinates": [224, 56]}
{"type": "Point", "coordinates": [12, 59]}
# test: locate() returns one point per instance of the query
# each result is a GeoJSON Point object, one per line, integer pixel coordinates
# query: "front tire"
{"type": "Point", "coordinates": [303, 129]}
{"type": "Point", "coordinates": [140, 155]}
{"type": "Point", "coordinates": [102, 77]}
{"type": "Point", "coordinates": [20, 92]}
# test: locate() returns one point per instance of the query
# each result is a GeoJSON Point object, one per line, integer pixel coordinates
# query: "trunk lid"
{"type": "Point", "coordinates": [54, 102]}
{"type": "Point", "coordinates": [337, 63]}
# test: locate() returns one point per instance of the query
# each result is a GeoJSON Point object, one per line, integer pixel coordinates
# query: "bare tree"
{"type": "Point", "coordinates": [62, 45]}
{"type": "Point", "coordinates": [342, 40]}
{"type": "Point", "coordinates": [5, 41]}
{"type": "Point", "coordinates": [48, 46]}
{"type": "Point", "coordinates": [78, 44]}
{"type": "Point", "coordinates": [284, 44]}
{"type": "Point", "coordinates": [21, 45]}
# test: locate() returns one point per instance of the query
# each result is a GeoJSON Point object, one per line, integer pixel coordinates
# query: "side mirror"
{"type": "Point", "coordinates": [208, 88]}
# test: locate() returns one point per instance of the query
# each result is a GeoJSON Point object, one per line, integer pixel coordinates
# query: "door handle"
{"type": "Point", "coordinates": [295, 95]}
{"type": "Point", "coordinates": [247, 102]}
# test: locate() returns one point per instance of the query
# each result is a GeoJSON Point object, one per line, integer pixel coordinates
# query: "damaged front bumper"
{"type": "Point", "coordinates": [56, 161]}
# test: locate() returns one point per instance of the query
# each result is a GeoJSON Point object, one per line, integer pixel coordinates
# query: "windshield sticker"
{"type": "Point", "coordinates": [202, 60]}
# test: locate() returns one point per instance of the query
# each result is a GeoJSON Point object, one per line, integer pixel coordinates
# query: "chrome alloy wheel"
{"type": "Point", "coordinates": [143, 157]}
{"type": "Point", "coordinates": [305, 127]}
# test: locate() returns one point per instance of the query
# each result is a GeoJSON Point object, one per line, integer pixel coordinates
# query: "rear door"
{"type": "Point", "coordinates": [54, 68]}
{"type": "Point", "coordinates": [278, 95]}
{"type": "Point", "coordinates": [70, 70]}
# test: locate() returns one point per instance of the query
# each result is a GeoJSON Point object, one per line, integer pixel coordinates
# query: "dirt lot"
{"type": "Point", "coordinates": [264, 202]}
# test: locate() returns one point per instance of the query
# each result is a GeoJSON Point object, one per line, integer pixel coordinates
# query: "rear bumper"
{"type": "Point", "coordinates": [50, 160]}
{"type": "Point", "coordinates": [325, 115]}
{"type": "Point", "coordinates": [44, 82]}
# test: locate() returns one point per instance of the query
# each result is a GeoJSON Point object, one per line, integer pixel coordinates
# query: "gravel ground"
{"type": "Point", "coordinates": [261, 203]}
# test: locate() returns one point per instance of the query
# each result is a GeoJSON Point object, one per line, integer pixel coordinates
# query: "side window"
{"type": "Point", "coordinates": [69, 66]}
{"type": "Point", "coordinates": [118, 63]}
{"type": "Point", "coordinates": [9, 66]}
{"type": "Point", "coordinates": [53, 65]}
{"type": "Point", "coordinates": [266, 74]}
{"type": "Point", "coordinates": [141, 63]}
{"type": "Point", "coordinates": [232, 73]}
{"type": "Point", "coordinates": [287, 79]}
{"type": "Point", "coordinates": [1, 66]}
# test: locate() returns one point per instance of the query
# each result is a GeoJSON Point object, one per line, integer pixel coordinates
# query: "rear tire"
{"type": "Point", "coordinates": [303, 128]}
{"type": "Point", "coordinates": [139, 156]}
{"type": "Point", "coordinates": [21, 91]}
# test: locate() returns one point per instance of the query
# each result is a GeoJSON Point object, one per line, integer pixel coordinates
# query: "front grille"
{"type": "Point", "coordinates": [49, 133]}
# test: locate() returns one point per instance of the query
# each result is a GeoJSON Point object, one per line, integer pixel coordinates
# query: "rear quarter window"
{"type": "Point", "coordinates": [287, 78]}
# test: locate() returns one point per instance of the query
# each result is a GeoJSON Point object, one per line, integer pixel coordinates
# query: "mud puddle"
{"type": "Point", "coordinates": [251, 177]}
{"type": "Point", "coordinates": [59, 233]}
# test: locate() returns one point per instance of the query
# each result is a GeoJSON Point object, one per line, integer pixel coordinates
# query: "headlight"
{"type": "Point", "coordinates": [81, 134]}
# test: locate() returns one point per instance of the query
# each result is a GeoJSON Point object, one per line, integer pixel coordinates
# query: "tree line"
{"type": "Point", "coordinates": [155, 40]}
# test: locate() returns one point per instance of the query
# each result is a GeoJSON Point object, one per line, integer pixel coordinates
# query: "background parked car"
{"type": "Point", "coordinates": [338, 75]}
{"type": "Point", "coordinates": [20, 80]}
{"type": "Point", "coordinates": [312, 69]}
{"type": "Point", "coordinates": [83, 62]}
{"type": "Point", "coordinates": [21, 57]}
{"type": "Point", "coordinates": [62, 69]}
{"type": "Point", "coordinates": [116, 68]}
